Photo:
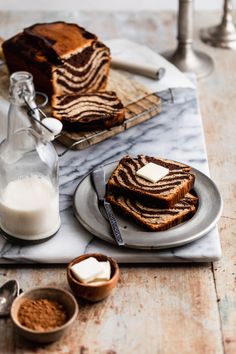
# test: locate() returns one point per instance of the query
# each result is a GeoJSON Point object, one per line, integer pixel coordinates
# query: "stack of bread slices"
{"type": "Point", "coordinates": [159, 205]}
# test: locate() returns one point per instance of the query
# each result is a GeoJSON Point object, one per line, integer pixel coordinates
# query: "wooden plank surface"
{"type": "Point", "coordinates": [155, 309]}
{"type": "Point", "coordinates": [220, 129]}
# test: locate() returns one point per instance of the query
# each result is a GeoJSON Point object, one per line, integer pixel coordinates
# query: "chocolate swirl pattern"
{"type": "Point", "coordinates": [152, 218]}
{"type": "Point", "coordinates": [88, 111]}
{"type": "Point", "coordinates": [86, 74]}
{"type": "Point", "coordinates": [165, 192]}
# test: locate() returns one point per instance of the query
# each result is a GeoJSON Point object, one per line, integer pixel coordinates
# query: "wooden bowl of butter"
{"type": "Point", "coordinates": [93, 276]}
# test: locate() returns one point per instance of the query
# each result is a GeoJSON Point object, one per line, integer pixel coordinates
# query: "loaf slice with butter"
{"type": "Point", "coordinates": [153, 218]}
{"type": "Point", "coordinates": [165, 193]}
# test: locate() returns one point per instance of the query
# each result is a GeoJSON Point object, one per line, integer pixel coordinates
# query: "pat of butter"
{"type": "Point", "coordinates": [152, 172]}
{"type": "Point", "coordinates": [87, 270]}
{"type": "Point", "coordinates": [105, 275]}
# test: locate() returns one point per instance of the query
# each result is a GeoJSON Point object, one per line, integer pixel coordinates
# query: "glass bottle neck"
{"type": "Point", "coordinates": [22, 98]}
{"type": "Point", "coordinates": [21, 88]}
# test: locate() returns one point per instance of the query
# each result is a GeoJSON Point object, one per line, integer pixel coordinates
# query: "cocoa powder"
{"type": "Point", "coordinates": [41, 314]}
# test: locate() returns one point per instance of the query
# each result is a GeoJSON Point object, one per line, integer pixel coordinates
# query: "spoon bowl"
{"type": "Point", "coordinates": [8, 292]}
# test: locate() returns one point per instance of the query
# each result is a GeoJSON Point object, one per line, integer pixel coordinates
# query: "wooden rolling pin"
{"type": "Point", "coordinates": [150, 71]}
{"type": "Point", "coordinates": [1, 52]}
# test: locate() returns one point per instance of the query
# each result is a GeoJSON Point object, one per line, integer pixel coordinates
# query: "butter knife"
{"type": "Point", "coordinates": [98, 178]}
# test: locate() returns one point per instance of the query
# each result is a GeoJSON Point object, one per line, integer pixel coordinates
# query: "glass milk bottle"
{"type": "Point", "coordinates": [29, 193]}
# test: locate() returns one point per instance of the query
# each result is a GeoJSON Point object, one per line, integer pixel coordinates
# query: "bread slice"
{"type": "Point", "coordinates": [152, 218]}
{"type": "Point", "coordinates": [164, 193]}
{"type": "Point", "coordinates": [89, 111]}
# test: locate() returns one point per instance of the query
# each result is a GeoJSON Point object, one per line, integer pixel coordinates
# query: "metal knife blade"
{"type": "Point", "coordinates": [99, 183]}
{"type": "Point", "coordinates": [98, 178]}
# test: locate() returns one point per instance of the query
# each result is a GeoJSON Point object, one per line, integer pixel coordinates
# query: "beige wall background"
{"type": "Point", "coordinates": [106, 5]}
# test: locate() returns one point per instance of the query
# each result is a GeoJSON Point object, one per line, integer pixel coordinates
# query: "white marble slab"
{"type": "Point", "coordinates": [177, 134]}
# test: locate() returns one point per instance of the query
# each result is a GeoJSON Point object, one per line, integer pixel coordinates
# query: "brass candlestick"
{"type": "Point", "coordinates": [223, 35]}
{"type": "Point", "coordinates": [185, 57]}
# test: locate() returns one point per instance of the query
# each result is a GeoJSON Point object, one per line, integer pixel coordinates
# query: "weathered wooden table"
{"type": "Point", "coordinates": [156, 309]}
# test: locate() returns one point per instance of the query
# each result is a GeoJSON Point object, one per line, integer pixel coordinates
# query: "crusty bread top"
{"type": "Point", "coordinates": [53, 42]}
{"type": "Point", "coordinates": [167, 191]}
{"type": "Point", "coordinates": [63, 38]}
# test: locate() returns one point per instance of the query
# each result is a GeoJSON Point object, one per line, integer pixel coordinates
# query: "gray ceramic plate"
{"type": "Point", "coordinates": [88, 213]}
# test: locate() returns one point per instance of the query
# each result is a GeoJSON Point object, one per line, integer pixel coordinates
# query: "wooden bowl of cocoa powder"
{"type": "Point", "coordinates": [43, 314]}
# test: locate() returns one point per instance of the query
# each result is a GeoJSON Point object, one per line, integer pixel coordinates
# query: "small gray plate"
{"type": "Point", "coordinates": [209, 210]}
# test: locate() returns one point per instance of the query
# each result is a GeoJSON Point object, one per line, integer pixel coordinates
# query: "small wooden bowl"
{"type": "Point", "coordinates": [93, 292]}
{"type": "Point", "coordinates": [62, 296]}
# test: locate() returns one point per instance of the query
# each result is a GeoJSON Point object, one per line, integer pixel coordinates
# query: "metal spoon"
{"type": "Point", "coordinates": [8, 292]}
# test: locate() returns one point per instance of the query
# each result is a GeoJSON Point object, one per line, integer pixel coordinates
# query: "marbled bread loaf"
{"type": "Point", "coordinates": [62, 57]}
